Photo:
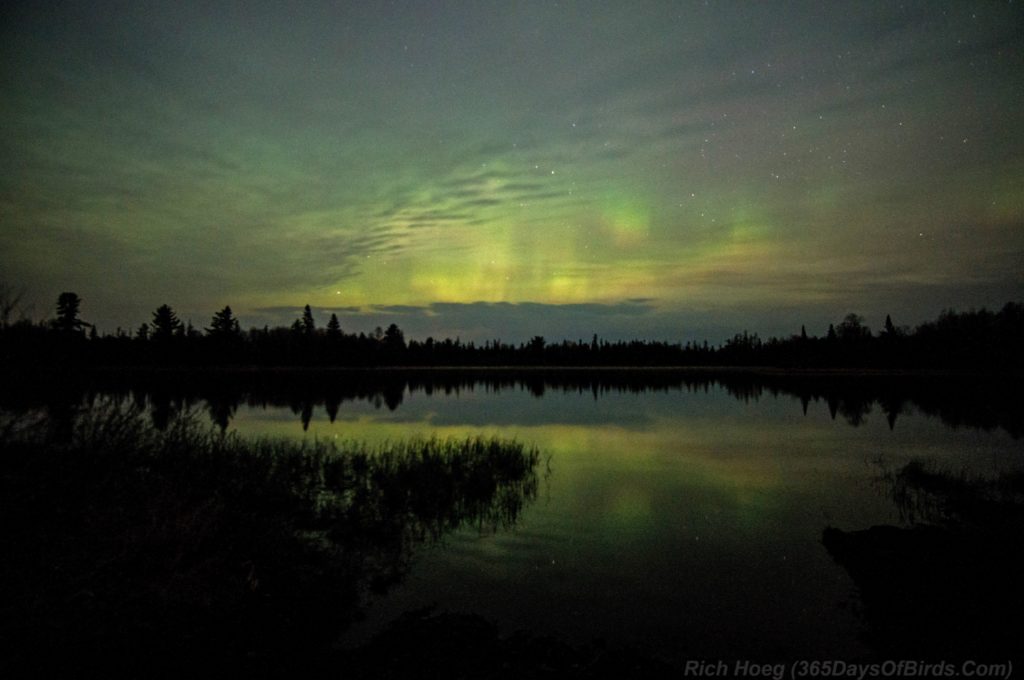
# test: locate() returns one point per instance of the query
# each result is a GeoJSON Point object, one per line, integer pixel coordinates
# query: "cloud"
{"type": "Point", "coordinates": [479, 321]}
{"type": "Point", "coordinates": [707, 155]}
{"type": "Point", "coordinates": [588, 309]}
{"type": "Point", "coordinates": [400, 309]}
{"type": "Point", "coordinates": [510, 321]}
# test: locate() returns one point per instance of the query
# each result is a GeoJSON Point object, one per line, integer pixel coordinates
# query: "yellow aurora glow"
{"type": "Point", "coordinates": [658, 171]}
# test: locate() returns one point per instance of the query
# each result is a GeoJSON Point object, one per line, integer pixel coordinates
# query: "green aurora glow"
{"type": "Point", "coordinates": [675, 170]}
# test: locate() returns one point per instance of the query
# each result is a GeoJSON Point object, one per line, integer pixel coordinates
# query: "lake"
{"type": "Point", "coordinates": [679, 519]}
{"type": "Point", "coordinates": [678, 515]}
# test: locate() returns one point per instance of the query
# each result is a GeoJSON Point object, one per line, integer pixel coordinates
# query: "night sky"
{"type": "Point", "coordinates": [505, 169]}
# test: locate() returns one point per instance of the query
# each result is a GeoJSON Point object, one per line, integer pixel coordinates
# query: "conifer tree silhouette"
{"type": "Point", "coordinates": [394, 339]}
{"type": "Point", "coordinates": [308, 325]}
{"type": "Point", "coordinates": [890, 329]}
{"type": "Point", "coordinates": [67, 321]}
{"type": "Point", "coordinates": [333, 328]}
{"type": "Point", "coordinates": [165, 323]}
{"type": "Point", "coordinates": [224, 325]}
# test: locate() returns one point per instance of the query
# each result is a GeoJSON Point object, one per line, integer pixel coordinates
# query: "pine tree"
{"type": "Point", "coordinates": [333, 328]}
{"type": "Point", "coordinates": [67, 313]}
{"type": "Point", "coordinates": [394, 338]}
{"type": "Point", "coordinates": [890, 329]}
{"type": "Point", "coordinates": [165, 323]}
{"type": "Point", "coordinates": [308, 325]}
{"type": "Point", "coordinates": [224, 325]}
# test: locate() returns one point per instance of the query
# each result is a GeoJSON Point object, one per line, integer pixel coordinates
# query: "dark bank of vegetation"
{"type": "Point", "coordinates": [978, 339]}
{"type": "Point", "coordinates": [947, 585]}
{"type": "Point", "coordinates": [958, 400]}
{"type": "Point", "coordinates": [130, 551]}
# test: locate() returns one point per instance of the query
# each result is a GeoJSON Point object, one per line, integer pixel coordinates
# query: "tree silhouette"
{"type": "Point", "coordinates": [535, 348]}
{"type": "Point", "coordinates": [333, 329]}
{"type": "Point", "coordinates": [890, 329]}
{"type": "Point", "coordinates": [165, 323]}
{"type": "Point", "coordinates": [394, 339]}
{"type": "Point", "coordinates": [224, 325]}
{"type": "Point", "coordinates": [308, 325]}
{"type": "Point", "coordinates": [980, 339]}
{"type": "Point", "coordinates": [852, 328]}
{"type": "Point", "coordinates": [67, 313]}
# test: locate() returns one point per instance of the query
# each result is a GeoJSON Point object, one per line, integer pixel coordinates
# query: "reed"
{"type": "Point", "coordinates": [129, 545]}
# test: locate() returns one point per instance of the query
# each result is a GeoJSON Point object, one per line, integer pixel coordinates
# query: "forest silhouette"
{"type": "Point", "coordinates": [976, 339]}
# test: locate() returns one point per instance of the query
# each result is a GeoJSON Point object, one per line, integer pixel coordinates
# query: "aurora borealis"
{"type": "Point", "coordinates": [505, 169]}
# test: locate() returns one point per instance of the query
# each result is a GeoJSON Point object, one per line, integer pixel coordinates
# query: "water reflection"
{"type": "Point", "coordinates": [684, 512]}
{"type": "Point", "coordinates": [958, 401]}
{"type": "Point", "coordinates": [132, 551]}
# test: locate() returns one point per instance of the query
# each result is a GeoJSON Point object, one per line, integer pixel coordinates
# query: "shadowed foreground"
{"type": "Point", "coordinates": [135, 551]}
{"type": "Point", "coordinates": [947, 587]}
{"type": "Point", "coordinates": [446, 646]}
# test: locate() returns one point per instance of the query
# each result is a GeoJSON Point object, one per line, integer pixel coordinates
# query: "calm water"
{"type": "Point", "coordinates": [683, 522]}
{"type": "Point", "coordinates": [677, 514]}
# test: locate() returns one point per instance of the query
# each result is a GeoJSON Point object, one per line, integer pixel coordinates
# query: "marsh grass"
{"type": "Point", "coordinates": [143, 550]}
{"type": "Point", "coordinates": [926, 493]}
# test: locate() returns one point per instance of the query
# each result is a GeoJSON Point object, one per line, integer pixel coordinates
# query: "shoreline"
{"type": "Point", "coordinates": [708, 371]}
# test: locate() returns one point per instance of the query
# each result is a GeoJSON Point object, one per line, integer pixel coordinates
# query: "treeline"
{"type": "Point", "coordinates": [977, 339]}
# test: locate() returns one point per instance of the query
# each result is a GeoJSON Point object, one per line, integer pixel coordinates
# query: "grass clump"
{"type": "Point", "coordinates": [138, 549]}
{"type": "Point", "coordinates": [926, 493]}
